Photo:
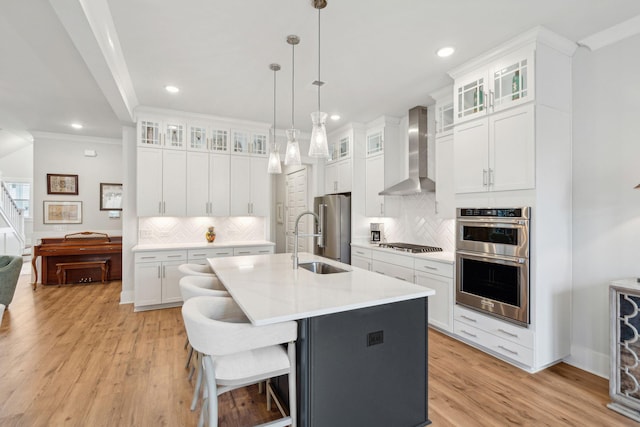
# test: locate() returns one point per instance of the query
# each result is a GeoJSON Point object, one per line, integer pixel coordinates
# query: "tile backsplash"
{"type": "Point", "coordinates": [418, 224]}
{"type": "Point", "coordinates": [153, 230]}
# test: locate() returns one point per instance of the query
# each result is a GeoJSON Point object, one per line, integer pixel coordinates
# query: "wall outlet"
{"type": "Point", "coordinates": [146, 234]}
{"type": "Point", "coordinates": [375, 338]}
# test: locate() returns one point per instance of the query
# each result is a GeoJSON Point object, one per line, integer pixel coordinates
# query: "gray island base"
{"type": "Point", "coordinates": [362, 338]}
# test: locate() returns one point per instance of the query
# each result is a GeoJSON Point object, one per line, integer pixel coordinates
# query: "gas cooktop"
{"type": "Point", "coordinates": [409, 247]}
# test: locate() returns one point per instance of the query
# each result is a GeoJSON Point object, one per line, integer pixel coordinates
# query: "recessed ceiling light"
{"type": "Point", "coordinates": [172, 89]}
{"type": "Point", "coordinates": [76, 125]}
{"type": "Point", "coordinates": [335, 117]}
{"type": "Point", "coordinates": [443, 52]}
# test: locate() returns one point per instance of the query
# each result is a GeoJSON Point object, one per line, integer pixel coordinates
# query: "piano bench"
{"type": "Point", "coordinates": [61, 272]}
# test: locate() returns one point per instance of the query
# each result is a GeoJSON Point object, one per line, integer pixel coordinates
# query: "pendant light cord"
{"type": "Point", "coordinates": [319, 81]}
{"type": "Point", "coordinates": [274, 107]}
{"type": "Point", "coordinates": [293, 75]}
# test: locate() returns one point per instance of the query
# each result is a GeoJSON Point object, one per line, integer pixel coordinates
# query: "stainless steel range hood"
{"type": "Point", "coordinates": [417, 181]}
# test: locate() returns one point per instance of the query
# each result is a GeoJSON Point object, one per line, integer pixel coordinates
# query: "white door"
{"type": "Point", "coordinates": [197, 183]}
{"type": "Point", "coordinates": [470, 154]}
{"type": "Point", "coordinates": [240, 185]}
{"type": "Point", "coordinates": [174, 182]}
{"type": "Point", "coordinates": [374, 183]}
{"type": "Point", "coordinates": [260, 187]}
{"type": "Point", "coordinates": [149, 191]}
{"type": "Point", "coordinates": [296, 203]}
{"type": "Point", "coordinates": [219, 184]}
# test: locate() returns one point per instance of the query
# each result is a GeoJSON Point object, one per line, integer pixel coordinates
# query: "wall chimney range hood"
{"type": "Point", "coordinates": [417, 182]}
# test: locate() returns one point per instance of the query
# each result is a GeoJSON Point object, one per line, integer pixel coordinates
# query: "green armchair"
{"type": "Point", "coordinates": [10, 267]}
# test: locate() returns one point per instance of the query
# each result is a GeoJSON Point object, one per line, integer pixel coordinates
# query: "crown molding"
{"type": "Point", "coordinates": [612, 35]}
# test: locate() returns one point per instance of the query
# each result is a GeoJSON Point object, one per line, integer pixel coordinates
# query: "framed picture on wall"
{"type": "Point", "coordinates": [110, 197]}
{"type": "Point", "coordinates": [62, 184]}
{"type": "Point", "coordinates": [62, 212]}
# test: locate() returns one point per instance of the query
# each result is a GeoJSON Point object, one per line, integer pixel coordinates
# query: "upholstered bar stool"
{"type": "Point", "coordinates": [190, 269]}
{"type": "Point", "coordinates": [193, 286]}
{"type": "Point", "coordinates": [237, 354]}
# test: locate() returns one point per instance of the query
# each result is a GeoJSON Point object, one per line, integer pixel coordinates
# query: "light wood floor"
{"type": "Point", "coordinates": [74, 356]}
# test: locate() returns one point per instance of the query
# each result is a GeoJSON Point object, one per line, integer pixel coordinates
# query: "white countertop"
{"type": "Point", "coordinates": [200, 245]}
{"type": "Point", "coordinates": [269, 290]}
{"type": "Point", "coordinates": [448, 257]}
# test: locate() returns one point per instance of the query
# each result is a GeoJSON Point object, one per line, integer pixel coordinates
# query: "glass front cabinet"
{"type": "Point", "coordinates": [502, 84]}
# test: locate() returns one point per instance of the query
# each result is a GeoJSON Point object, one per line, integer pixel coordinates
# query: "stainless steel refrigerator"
{"type": "Point", "coordinates": [334, 211]}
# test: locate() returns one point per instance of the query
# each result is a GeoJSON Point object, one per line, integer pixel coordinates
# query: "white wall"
{"type": "Point", "coordinates": [606, 208]}
{"type": "Point", "coordinates": [64, 154]}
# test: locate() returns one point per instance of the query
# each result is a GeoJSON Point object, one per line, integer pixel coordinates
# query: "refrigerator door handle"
{"type": "Point", "coordinates": [321, 208]}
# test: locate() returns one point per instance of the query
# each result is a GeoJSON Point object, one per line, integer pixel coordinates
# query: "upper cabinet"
{"type": "Point", "coordinates": [249, 142]}
{"type": "Point", "coordinates": [382, 166]}
{"type": "Point", "coordinates": [207, 137]}
{"type": "Point", "coordinates": [338, 172]}
{"type": "Point", "coordinates": [501, 84]}
{"type": "Point", "coordinates": [443, 111]}
{"type": "Point", "coordinates": [166, 133]}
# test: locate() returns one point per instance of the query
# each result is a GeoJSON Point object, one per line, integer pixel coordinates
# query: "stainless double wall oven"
{"type": "Point", "coordinates": [492, 261]}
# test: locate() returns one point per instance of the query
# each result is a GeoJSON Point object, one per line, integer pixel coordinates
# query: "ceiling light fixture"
{"type": "Point", "coordinates": [292, 154]}
{"type": "Point", "coordinates": [274, 152]}
{"type": "Point", "coordinates": [76, 125]}
{"type": "Point", "coordinates": [318, 147]}
{"type": "Point", "coordinates": [171, 89]}
{"type": "Point", "coordinates": [443, 52]}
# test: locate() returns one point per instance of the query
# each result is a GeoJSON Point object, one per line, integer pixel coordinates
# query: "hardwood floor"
{"type": "Point", "coordinates": [74, 356]}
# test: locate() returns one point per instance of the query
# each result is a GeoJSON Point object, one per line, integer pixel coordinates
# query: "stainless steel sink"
{"type": "Point", "coordinates": [320, 267]}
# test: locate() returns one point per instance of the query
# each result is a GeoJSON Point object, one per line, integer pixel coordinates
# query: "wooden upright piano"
{"type": "Point", "coordinates": [77, 248]}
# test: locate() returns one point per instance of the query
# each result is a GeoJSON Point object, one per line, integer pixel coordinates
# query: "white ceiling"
{"type": "Point", "coordinates": [378, 56]}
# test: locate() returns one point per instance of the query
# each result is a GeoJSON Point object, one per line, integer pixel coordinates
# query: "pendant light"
{"type": "Point", "coordinates": [274, 153]}
{"type": "Point", "coordinates": [318, 147]}
{"type": "Point", "coordinates": [292, 154]}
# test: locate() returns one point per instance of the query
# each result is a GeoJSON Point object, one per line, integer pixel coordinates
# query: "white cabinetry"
{"type": "Point", "coordinates": [199, 256]}
{"type": "Point", "coordinates": [382, 167]}
{"type": "Point", "coordinates": [439, 277]}
{"type": "Point", "coordinates": [338, 170]}
{"type": "Point", "coordinates": [162, 133]}
{"type": "Point", "coordinates": [361, 257]}
{"type": "Point", "coordinates": [501, 84]}
{"type": "Point", "coordinates": [496, 153]}
{"type": "Point", "coordinates": [249, 186]}
{"type": "Point", "coordinates": [445, 193]}
{"type": "Point", "coordinates": [161, 182]}
{"type": "Point", "coordinates": [207, 184]}
{"type": "Point", "coordinates": [157, 277]}
{"type": "Point", "coordinates": [505, 339]}
{"type": "Point", "coordinates": [253, 250]}
{"type": "Point", "coordinates": [393, 265]}
{"type": "Point", "coordinates": [249, 142]}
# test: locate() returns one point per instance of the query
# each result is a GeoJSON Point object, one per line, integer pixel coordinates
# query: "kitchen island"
{"type": "Point", "coordinates": [362, 340]}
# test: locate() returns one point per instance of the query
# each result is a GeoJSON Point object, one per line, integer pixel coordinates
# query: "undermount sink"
{"type": "Point", "coordinates": [320, 267]}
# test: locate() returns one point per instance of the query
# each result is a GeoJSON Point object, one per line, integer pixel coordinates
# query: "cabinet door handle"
{"type": "Point", "coordinates": [401, 278]}
{"type": "Point", "coordinates": [508, 350]}
{"type": "Point", "coordinates": [381, 208]}
{"type": "Point", "coordinates": [511, 334]}
{"type": "Point", "coordinates": [492, 99]}
{"type": "Point", "coordinates": [468, 333]}
{"type": "Point", "coordinates": [174, 256]}
{"type": "Point", "coordinates": [160, 207]}
{"type": "Point", "coordinates": [471, 319]}
{"type": "Point", "coordinates": [147, 257]}
{"type": "Point", "coordinates": [428, 267]}
{"type": "Point", "coordinates": [380, 272]}
{"type": "Point", "coordinates": [164, 272]}
{"type": "Point", "coordinates": [244, 252]}
{"type": "Point", "coordinates": [484, 177]}
{"type": "Point", "coordinates": [159, 272]}
{"type": "Point", "coordinates": [491, 176]}
{"type": "Point", "coordinates": [164, 207]}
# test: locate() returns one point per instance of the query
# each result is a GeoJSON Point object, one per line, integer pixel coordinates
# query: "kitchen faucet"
{"type": "Point", "coordinates": [296, 233]}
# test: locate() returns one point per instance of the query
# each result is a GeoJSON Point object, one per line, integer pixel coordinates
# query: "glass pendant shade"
{"type": "Point", "coordinates": [318, 147]}
{"type": "Point", "coordinates": [274, 158]}
{"type": "Point", "coordinates": [292, 155]}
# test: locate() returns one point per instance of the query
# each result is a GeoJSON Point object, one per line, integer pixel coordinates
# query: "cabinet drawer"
{"type": "Point", "coordinates": [496, 344]}
{"type": "Point", "coordinates": [497, 327]}
{"type": "Point", "coordinates": [361, 252]}
{"type": "Point", "coordinates": [392, 258]}
{"type": "Point", "coordinates": [253, 250]}
{"type": "Point", "coordinates": [393, 270]}
{"type": "Point", "coordinates": [433, 267]}
{"type": "Point", "coordinates": [161, 256]}
{"type": "Point", "coordinates": [200, 254]}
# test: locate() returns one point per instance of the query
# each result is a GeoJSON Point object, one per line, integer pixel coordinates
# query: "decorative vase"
{"type": "Point", "coordinates": [210, 235]}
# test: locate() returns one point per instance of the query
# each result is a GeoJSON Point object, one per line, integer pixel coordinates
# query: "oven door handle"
{"type": "Point", "coordinates": [516, 223]}
{"type": "Point", "coordinates": [494, 258]}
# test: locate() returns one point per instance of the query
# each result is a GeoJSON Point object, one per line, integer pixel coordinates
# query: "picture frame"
{"type": "Point", "coordinates": [62, 212]}
{"type": "Point", "coordinates": [110, 196]}
{"type": "Point", "coordinates": [62, 184]}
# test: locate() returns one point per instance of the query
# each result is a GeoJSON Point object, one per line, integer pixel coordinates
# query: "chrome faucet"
{"type": "Point", "coordinates": [296, 233]}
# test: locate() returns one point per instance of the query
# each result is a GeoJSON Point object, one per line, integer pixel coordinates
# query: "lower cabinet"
{"type": "Point", "coordinates": [199, 256]}
{"type": "Point", "coordinates": [497, 336]}
{"type": "Point", "coordinates": [361, 258]}
{"type": "Point", "coordinates": [157, 277]}
{"type": "Point", "coordinates": [253, 250]}
{"type": "Point", "coordinates": [439, 277]}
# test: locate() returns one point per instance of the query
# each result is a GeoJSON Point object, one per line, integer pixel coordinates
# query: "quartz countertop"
{"type": "Point", "coordinates": [269, 290]}
{"type": "Point", "coordinates": [447, 257]}
{"type": "Point", "coordinates": [200, 245]}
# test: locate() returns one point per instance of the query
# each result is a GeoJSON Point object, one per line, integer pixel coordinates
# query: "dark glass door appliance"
{"type": "Point", "coordinates": [492, 262]}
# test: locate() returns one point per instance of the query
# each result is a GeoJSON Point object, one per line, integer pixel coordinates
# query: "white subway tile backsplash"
{"type": "Point", "coordinates": [192, 229]}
